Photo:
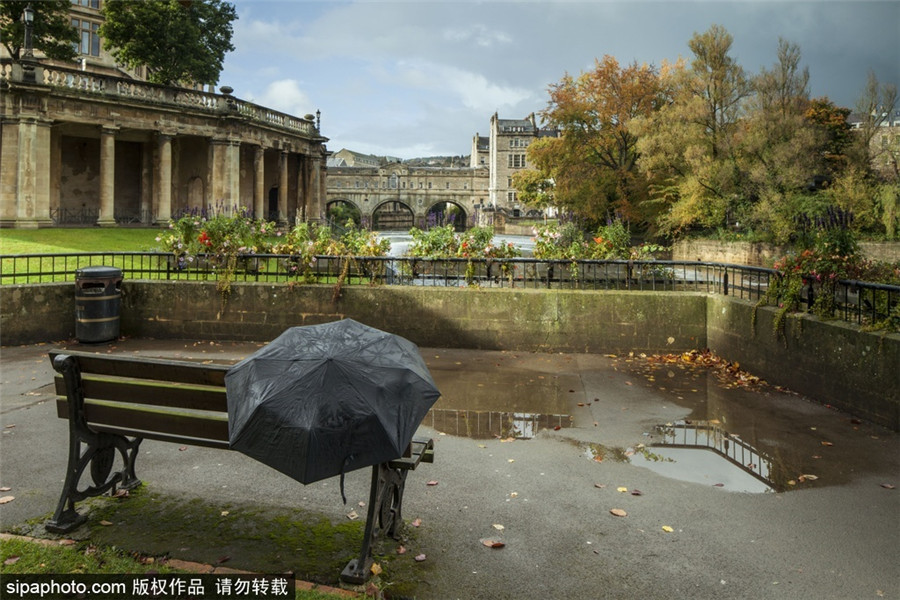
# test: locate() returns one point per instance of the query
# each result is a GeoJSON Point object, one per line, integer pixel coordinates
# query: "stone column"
{"type": "Point", "coordinates": [225, 174]}
{"type": "Point", "coordinates": [164, 183]}
{"type": "Point", "coordinates": [259, 183]}
{"type": "Point", "coordinates": [107, 177]}
{"type": "Point", "coordinates": [32, 186]}
{"type": "Point", "coordinates": [283, 188]}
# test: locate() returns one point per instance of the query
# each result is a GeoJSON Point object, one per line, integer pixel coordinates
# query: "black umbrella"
{"type": "Point", "coordinates": [322, 400]}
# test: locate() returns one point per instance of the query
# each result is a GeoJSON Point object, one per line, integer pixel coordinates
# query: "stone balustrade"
{"type": "Point", "coordinates": [85, 82]}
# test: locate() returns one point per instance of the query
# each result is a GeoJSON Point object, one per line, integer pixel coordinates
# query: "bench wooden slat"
{"type": "Point", "coordinates": [129, 417]}
{"type": "Point", "coordinates": [156, 393]}
{"type": "Point", "coordinates": [162, 437]}
{"type": "Point", "coordinates": [181, 371]}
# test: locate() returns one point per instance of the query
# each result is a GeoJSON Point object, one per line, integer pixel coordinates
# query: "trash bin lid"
{"type": "Point", "coordinates": [98, 272]}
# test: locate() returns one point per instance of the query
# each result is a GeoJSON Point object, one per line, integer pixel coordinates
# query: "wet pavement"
{"type": "Point", "coordinates": [730, 488]}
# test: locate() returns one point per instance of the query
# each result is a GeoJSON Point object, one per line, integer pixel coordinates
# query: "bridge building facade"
{"type": "Point", "coordinates": [390, 194]}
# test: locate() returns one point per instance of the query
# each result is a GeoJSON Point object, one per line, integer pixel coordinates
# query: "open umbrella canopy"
{"type": "Point", "coordinates": [322, 400]}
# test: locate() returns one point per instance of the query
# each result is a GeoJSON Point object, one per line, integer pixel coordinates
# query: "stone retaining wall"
{"type": "Point", "coordinates": [833, 362]}
{"type": "Point", "coordinates": [763, 255]}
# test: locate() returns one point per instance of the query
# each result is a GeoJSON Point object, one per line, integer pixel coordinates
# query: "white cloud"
{"type": "Point", "coordinates": [475, 91]}
{"type": "Point", "coordinates": [286, 96]}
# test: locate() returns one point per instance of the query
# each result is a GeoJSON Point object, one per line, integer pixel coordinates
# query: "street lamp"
{"type": "Point", "coordinates": [28, 17]}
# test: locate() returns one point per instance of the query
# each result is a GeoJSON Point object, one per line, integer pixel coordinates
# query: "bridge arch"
{"type": "Point", "coordinates": [341, 210]}
{"type": "Point", "coordinates": [447, 212]}
{"type": "Point", "coordinates": [393, 215]}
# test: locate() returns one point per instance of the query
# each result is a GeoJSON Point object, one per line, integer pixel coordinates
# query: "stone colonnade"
{"type": "Point", "coordinates": [70, 156]}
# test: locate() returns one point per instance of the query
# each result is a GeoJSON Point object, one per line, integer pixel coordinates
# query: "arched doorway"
{"type": "Point", "coordinates": [393, 216]}
{"type": "Point", "coordinates": [447, 213]}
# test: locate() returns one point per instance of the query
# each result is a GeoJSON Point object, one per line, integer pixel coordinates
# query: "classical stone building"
{"type": "Point", "coordinates": [90, 143]}
{"type": "Point", "coordinates": [390, 194]}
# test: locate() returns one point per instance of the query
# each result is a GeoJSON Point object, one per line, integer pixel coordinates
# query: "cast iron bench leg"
{"type": "Point", "coordinates": [384, 515]}
{"type": "Point", "coordinates": [99, 454]}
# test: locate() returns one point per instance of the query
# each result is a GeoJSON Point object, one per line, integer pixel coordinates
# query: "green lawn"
{"type": "Point", "coordinates": [88, 239]}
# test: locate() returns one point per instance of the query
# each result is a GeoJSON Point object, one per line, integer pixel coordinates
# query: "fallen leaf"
{"type": "Point", "coordinates": [106, 523]}
{"type": "Point", "coordinates": [401, 550]}
{"type": "Point", "coordinates": [182, 448]}
{"type": "Point", "coordinates": [420, 557]}
{"type": "Point", "coordinates": [807, 477]}
{"type": "Point", "coordinates": [120, 493]}
{"type": "Point", "coordinates": [223, 559]}
{"type": "Point", "coordinates": [622, 489]}
{"type": "Point", "coordinates": [498, 527]}
{"type": "Point", "coordinates": [224, 513]}
{"type": "Point", "coordinates": [718, 485]}
{"type": "Point", "coordinates": [352, 515]}
{"type": "Point", "coordinates": [5, 489]}
{"type": "Point", "coordinates": [432, 482]}
{"type": "Point", "coordinates": [11, 560]}
{"type": "Point", "coordinates": [416, 522]}
{"type": "Point", "coordinates": [618, 512]}
{"type": "Point", "coordinates": [600, 485]}
{"type": "Point", "coordinates": [888, 486]}
{"type": "Point", "coordinates": [667, 529]}
{"type": "Point", "coordinates": [827, 444]}
{"type": "Point", "coordinates": [557, 428]}
{"type": "Point", "coordinates": [67, 542]}
{"type": "Point", "coordinates": [512, 460]}
{"type": "Point", "coordinates": [493, 543]}
{"type": "Point", "coordinates": [637, 493]}
{"type": "Point", "coordinates": [7, 499]}
{"type": "Point", "coordinates": [376, 569]}
{"type": "Point", "coordinates": [514, 494]}
{"type": "Point", "coordinates": [628, 383]}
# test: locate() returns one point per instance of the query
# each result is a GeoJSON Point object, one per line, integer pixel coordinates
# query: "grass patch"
{"type": "Point", "coordinates": [69, 240]}
{"type": "Point", "coordinates": [21, 557]}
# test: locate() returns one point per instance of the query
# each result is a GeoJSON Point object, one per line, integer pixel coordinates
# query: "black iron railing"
{"type": "Point", "coordinates": [855, 301]}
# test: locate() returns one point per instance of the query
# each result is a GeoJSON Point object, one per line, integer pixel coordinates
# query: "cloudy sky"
{"type": "Point", "coordinates": [422, 77]}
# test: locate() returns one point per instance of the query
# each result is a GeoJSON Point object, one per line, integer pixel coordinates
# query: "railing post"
{"type": "Point", "coordinates": [725, 283]}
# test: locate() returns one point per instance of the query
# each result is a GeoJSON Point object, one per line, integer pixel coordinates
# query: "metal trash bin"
{"type": "Point", "coordinates": [98, 299]}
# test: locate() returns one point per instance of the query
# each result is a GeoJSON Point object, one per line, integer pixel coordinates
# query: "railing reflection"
{"type": "Point", "coordinates": [710, 436]}
{"type": "Point", "coordinates": [491, 424]}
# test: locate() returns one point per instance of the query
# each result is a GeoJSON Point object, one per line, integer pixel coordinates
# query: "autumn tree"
{"type": "Point", "coordinates": [177, 40]}
{"type": "Point", "coordinates": [688, 146]}
{"type": "Point", "coordinates": [592, 163]}
{"type": "Point", "coordinates": [832, 123]}
{"type": "Point", "coordinates": [52, 33]}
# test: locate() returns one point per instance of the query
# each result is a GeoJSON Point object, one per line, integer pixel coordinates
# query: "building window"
{"type": "Point", "coordinates": [511, 196]}
{"type": "Point", "coordinates": [448, 185]}
{"type": "Point", "coordinates": [429, 185]}
{"type": "Point", "coordinates": [88, 3]}
{"type": "Point", "coordinates": [393, 181]}
{"type": "Point", "coordinates": [516, 161]}
{"type": "Point", "coordinates": [90, 39]}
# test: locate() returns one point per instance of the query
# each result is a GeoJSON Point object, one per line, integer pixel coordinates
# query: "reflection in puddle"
{"type": "Point", "coordinates": [703, 452]}
{"type": "Point", "coordinates": [489, 424]}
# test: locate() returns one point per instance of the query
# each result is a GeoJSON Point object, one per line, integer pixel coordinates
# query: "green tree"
{"type": "Point", "coordinates": [781, 151]}
{"type": "Point", "coordinates": [593, 162]}
{"type": "Point", "coordinates": [688, 146]}
{"type": "Point", "coordinates": [875, 106]}
{"type": "Point", "coordinates": [177, 40]}
{"type": "Point", "coordinates": [52, 33]}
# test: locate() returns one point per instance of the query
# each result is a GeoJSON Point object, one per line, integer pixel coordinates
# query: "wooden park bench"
{"type": "Point", "coordinates": [114, 402]}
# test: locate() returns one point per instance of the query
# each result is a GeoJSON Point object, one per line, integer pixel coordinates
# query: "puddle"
{"type": "Point", "coordinates": [710, 425]}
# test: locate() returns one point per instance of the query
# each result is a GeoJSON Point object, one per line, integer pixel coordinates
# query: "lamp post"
{"type": "Point", "coordinates": [28, 18]}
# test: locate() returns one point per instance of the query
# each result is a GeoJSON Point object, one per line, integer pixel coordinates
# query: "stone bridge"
{"type": "Point", "coordinates": [397, 196]}
{"type": "Point", "coordinates": [86, 148]}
